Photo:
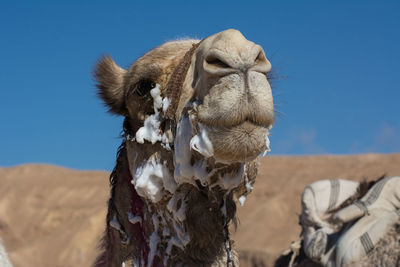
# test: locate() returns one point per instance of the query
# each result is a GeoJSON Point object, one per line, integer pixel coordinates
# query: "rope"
{"type": "Point", "coordinates": [228, 246]}
{"type": "Point", "coordinates": [294, 248]}
{"type": "Point", "coordinates": [227, 239]}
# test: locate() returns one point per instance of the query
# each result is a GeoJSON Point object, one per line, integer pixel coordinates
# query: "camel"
{"type": "Point", "coordinates": [346, 223]}
{"type": "Point", "coordinates": [197, 115]}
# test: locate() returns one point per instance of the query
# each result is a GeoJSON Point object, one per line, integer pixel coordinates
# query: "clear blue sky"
{"type": "Point", "coordinates": [341, 59]}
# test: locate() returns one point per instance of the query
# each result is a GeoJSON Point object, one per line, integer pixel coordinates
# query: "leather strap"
{"type": "Point", "coordinates": [175, 83]}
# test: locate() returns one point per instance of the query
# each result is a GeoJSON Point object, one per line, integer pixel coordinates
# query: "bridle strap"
{"type": "Point", "coordinates": [175, 83]}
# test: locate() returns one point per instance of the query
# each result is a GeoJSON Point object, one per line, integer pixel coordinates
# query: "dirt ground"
{"type": "Point", "coordinates": [53, 217]}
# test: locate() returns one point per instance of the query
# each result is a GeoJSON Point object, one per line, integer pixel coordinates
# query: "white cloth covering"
{"type": "Point", "coordinates": [352, 231]}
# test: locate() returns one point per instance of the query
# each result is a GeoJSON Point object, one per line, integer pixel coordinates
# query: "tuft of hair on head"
{"type": "Point", "coordinates": [110, 80]}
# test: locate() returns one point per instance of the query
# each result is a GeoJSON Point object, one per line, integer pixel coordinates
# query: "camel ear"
{"type": "Point", "coordinates": [110, 80]}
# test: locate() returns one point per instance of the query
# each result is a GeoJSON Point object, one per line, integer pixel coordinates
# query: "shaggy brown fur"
{"type": "Point", "coordinates": [204, 221]}
{"type": "Point", "coordinates": [122, 197]}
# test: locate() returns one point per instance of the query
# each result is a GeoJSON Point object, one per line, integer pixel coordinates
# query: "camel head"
{"type": "Point", "coordinates": [197, 115]}
{"type": "Point", "coordinates": [222, 86]}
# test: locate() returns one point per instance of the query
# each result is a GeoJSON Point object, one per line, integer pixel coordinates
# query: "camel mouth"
{"type": "Point", "coordinates": [239, 143]}
{"type": "Point", "coordinates": [241, 140]}
{"type": "Point", "coordinates": [239, 123]}
{"type": "Point", "coordinates": [246, 127]}
{"type": "Point", "coordinates": [198, 146]}
{"type": "Point", "coordinates": [249, 122]}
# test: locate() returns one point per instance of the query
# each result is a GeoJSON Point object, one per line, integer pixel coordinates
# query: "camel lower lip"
{"type": "Point", "coordinates": [240, 143]}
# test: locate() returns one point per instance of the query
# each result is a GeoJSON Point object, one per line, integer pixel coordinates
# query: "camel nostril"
{"type": "Point", "coordinates": [261, 63]}
{"type": "Point", "coordinates": [216, 65]}
{"type": "Point", "coordinates": [261, 58]}
{"type": "Point", "coordinates": [216, 62]}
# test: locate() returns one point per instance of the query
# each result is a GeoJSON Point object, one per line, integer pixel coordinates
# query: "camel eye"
{"type": "Point", "coordinates": [143, 87]}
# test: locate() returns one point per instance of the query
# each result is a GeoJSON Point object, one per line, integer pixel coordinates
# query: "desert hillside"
{"type": "Point", "coordinates": [53, 217]}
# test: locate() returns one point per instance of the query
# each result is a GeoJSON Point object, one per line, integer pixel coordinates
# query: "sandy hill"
{"type": "Point", "coordinates": [52, 216]}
